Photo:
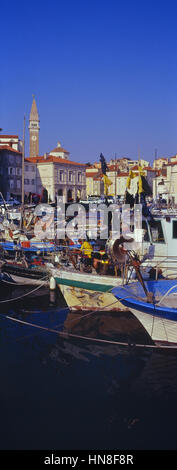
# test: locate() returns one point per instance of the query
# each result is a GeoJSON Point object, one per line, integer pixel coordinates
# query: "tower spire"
{"type": "Point", "coordinates": [34, 130]}
{"type": "Point", "coordinates": [34, 112]}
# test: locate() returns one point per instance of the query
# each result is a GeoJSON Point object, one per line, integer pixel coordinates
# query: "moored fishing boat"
{"type": "Point", "coordinates": [84, 291]}
{"type": "Point", "coordinates": [25, 270]}
{"type": "Point", "coordinates": [155, 306]}
{"type": "Point", "coordinates": [87, 283]}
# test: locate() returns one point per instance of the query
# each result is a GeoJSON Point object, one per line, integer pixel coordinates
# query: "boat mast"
{"type": "Point", "coordinates": [115, 170]}
{"type": "Point", "coordinates": [156, 174]}
{"type": "Point", "coordinates": [23, 162]}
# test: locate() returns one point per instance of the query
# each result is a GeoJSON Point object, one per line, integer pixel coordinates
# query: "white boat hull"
{"type": "Point", "coordinates": [87, 292]}
{"type": "Point", "coordinates": [86, 300]}
{"type": "Point", "coordinates": [161, 330]}
{"type": "Point", "coordinates": [22, 281]}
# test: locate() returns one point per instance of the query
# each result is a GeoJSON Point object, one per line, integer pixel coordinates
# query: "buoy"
{"type": "Point", "coordinates": [52, 283]}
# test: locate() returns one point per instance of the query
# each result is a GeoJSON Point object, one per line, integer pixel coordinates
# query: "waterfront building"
{"type": "Point", "coordinates": [172, 182]}
{"type": "Point", "coordinates": [60, 176]}
{"type": "Point", "coordinates": [60, 152]}
{"type": "Point", "coordinates": [118, 177]}
{"type": "Point", "coordinates": [173, 159]}
{"type": "Point", "coordinates": [160, 162]}
{"type": "Point", "coordinates": [30, 172]}
{"type": "Point", "coordinates": [11, 141]}
{"type": "Point", "coordinates": [165, 183]}
{"type": "Point", "coordinates": [10, 172]}
{"type": "Point", "coordinates": [92, 181]}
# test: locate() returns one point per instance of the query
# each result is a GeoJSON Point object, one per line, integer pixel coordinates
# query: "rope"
{"type": "Point", "coordinates": [169, 290]}
{"type": "Point", "coordinates": [21, 296]}
{"type": "Point", "coordinates": [88, 338]}
{"type": "Point", "coordinates": [87, 314]}
{"type": "Point", "coordinates": [66, 334]}
{"type": "Point", "coordinates": [19, 283]}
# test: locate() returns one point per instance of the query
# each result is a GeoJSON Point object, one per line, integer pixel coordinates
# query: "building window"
{"type": "Point", "coordinates": [18, 184]}
{"type": "Point", "coordinates": [33, 168]}
{"type": "Point", "coordinates": [18, 171]}
{"type": "Point", "coordinates": [26, 181]}
{"type": "Point", "coordinates": [79, 177]}
{"type": "Point", "coordinates": [11, 159]}
{"type": "Point", "coordinates": [174, 229]}
{"type": "Point", "coordinates": [11, 171]}
{"type": "Point", "coordinates": [61, 175]}
{"type": "Point", "coordinates": [11, 184]}
{"type": "Point", "coordinates": [26, 167]}
{"type": "Point", "coordinates": [156, 230]}
{"type": "Point", "coordinates": [32, 181]}
{"type": "Point", "coordinates": [70, 176]}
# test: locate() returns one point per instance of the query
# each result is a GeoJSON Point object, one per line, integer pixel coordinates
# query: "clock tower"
{"type": "Point", "coordinates": [34, 130]}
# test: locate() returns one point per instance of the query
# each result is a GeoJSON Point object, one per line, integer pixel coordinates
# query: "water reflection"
{"type": "Point", "coordinates": [78, 393]}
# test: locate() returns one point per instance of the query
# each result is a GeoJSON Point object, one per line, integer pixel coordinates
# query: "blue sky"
{"type": "Point", "coordinates": [104, 74]}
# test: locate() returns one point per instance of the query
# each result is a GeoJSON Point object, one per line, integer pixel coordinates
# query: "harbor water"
{"type": "Point", "coordinates": [80, 380]}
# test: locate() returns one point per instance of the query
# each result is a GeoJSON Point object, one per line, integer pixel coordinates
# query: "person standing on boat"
{"type": "Point", "coordinates": [86, 250]}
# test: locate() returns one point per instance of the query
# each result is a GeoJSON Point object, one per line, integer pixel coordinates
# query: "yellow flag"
{"type": "Point", "coordinates": [130, 177]}
{"type": "Point", "coordinates": [107, 183]}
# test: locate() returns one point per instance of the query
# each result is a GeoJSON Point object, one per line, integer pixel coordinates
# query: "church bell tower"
{"type": "Point", "coordinates": [34, 130]}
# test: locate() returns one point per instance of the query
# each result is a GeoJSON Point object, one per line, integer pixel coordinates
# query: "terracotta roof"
{"type": "Point", "coordinates": [149, 168]}
{"type": "Point", "coordinates": [162, 158]}
{"type": "Point", "coordinates": [135, 167]}
{"type": "Point", "coordinates": [97, 178]}
{"type": "Point", "coordinates": [122, 174]}
{"type": "Point", "coordinates": [172, 163]}
{"type": "Point", "coordinates": [90, 166]}
{"type": "Point", "coordinates": [10, 149]}
{"type": "Point", "coordinates": [58, 150]}
{"type": "Point", "coordinates": [111, 168]}
{"type": "Point", "coordinates": [8, 136]}
{"type": "Point", "coordinates": [53, 159]}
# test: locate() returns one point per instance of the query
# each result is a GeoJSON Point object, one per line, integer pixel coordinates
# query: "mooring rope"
{"type": "Point", "coordinates": [16, 284]}
{"type": "Point", "coordinates": [88, 338]}
{"type": "Point", "coordinates": [165, 295]}
{"type": "Point", "coordinates": [24, 295]}
{"type": "Point", "coordinates": [72, 335]}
